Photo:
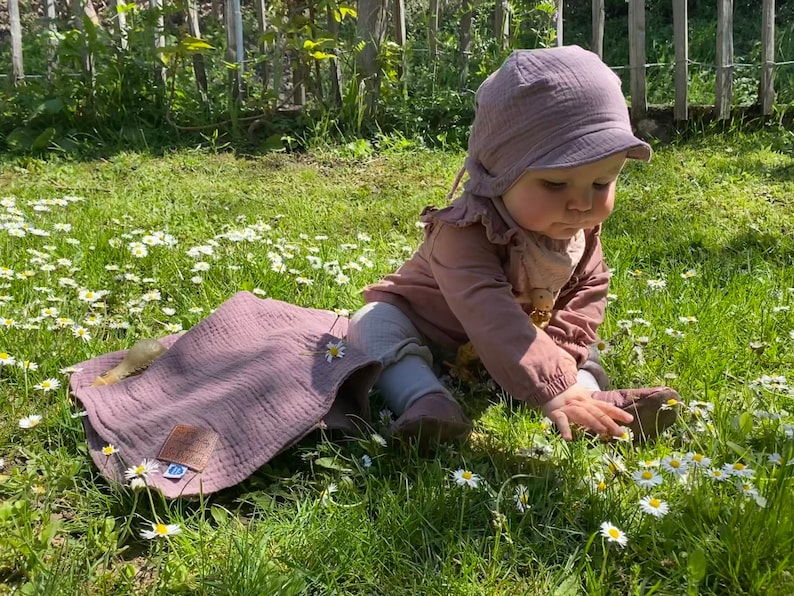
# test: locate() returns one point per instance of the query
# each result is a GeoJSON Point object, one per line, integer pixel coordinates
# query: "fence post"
{"type": "Point", "coordinates": [261, 21]}
{"type": "Point", "coordinates": [464, 51]}
{"type": "Point", "coordinates": [432, 34]}
{"type": "Point", "coordinates": [334, 68]}
{"type": "Point", "coordinates": [767, 90]}
{"type": "Point", "coordinates": [159, 42]}
{"type": "Point", "coordinates": [232, 22]}
{"type": "Point", "coordinates": [502, 24]}
{"type": "Point", "coordinates": [370, 28]}
{"type": "Point", "coordinates": [121, 18]}
{"type": "Point", "coordinates": [558, 20]}
{"type": "Point", "coordinates": [198, 58]}
{"type": "Point", "coordinates": [52, 42]}
{"type": "Point", "coordinates": [724, 84]}
{"type": "Point", "coordinates": [17, 64]}
{"type": "Point", "coordinates": [639, 102]}
{"type": "Point", "coordinates": [681, 41]}
{"type": "Point", "coordinates": [598, 28]}
{"type": "Point", "coordinates": [400, 35]}
{"type": "Point", "coordinates": [78, 8]}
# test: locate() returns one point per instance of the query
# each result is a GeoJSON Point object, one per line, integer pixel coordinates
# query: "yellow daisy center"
{"type": "Point", "coordinates": [4, 355]}
{"type": "Point", "coordinates": [647, 475]}
{"type": "Point", "coordinates": [139, 470]}
{"type": "Point", "coordinates": [601, 485]}
{"type": "Point", "coordinates": [697, 457]}
{"type": "Point", "coordinates": [602, 345]}
{"type": "Point", "coordinates": [466, 475]}
{"type": "Point", "coordinates": [739, 467]}
{"type": "Point", "coordinates": [161, 529]}
{"type": "Point", "coordinates": [654, 503]}
{"type": "Point", "coordinates": [613, 533]}
{"type": "Point", "coordinates": [524, 499]}
{"type": "Point", "coordinates": [672, 401]}
{"type": "Point", "coordinates": [89, 294]}
{"type": "Point", "coordinates": [334, 351]}
{"type": "Point", "coordinates": [107, 450]}
{"type": "Point", "coordinates": [674, 463]}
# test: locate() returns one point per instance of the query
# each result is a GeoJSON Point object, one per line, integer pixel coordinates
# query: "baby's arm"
{"type": "Point", "coordinates": [579, 309]}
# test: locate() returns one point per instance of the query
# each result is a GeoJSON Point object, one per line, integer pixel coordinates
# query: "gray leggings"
{"type": "Point", "coordinates": [383, 331]}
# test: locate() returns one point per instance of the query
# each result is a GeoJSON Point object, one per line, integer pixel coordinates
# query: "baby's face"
{"type": "Point", "coordinates": [558, 203]}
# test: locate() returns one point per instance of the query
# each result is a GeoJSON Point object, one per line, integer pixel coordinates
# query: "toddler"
{"type": "Point", "coordinates": [513, 268]}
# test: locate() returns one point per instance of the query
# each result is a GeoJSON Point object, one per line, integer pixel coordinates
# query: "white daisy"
{"type": "Point", "coordinates": [521, 499]}
{"type": "Point", "coordinates": [465, 477]}
{"type": "Point", "coordinates": [653, 506]}
{"type": "Point", "coordinates": [160, 531]}
{"type": "Point", "coordinates": [647, 478]}
{"type": "Point", "coordinates": [30, 421]}
{"type": "Point", "coordinates": [142, 470]}
{"type": "Point", "coordinates": [613, 534]}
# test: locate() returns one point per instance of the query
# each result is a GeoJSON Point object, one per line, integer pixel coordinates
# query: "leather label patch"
{"type": "Point", "coordinates": [189, 446]}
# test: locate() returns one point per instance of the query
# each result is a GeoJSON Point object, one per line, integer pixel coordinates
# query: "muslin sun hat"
{"type": "Point", "coordinates": [547, 109]}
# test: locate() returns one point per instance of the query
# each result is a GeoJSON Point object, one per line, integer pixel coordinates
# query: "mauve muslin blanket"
{"type": "Point", "coordinates": [255, 372]}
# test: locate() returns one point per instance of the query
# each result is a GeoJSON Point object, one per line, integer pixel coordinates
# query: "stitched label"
{"type": "Point", "coordinates": [189, 446]}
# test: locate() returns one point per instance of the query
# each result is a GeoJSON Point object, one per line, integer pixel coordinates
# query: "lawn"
{"type": "Point", "coordinates": [96, 254]}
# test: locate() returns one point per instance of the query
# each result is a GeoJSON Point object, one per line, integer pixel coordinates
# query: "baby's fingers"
{"type": "Point", "coordinates": [560, 420]}
{"type": "Point", "coordinates": [614, 412]}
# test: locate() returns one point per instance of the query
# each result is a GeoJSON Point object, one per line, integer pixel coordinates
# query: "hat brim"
{"type": "Point", "coordinates": [592, 147]}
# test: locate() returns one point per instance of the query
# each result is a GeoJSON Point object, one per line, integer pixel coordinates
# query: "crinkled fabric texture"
{"type": "Point", "coordinates": [546, 109]}
{"type": "Point", "coordinates": [254, 371]}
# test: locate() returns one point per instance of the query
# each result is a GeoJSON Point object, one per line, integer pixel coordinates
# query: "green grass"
{"type": "Point", "coordinates": [720, 205]}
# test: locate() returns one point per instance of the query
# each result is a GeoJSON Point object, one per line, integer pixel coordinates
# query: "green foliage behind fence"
{"type": "Point", "coordinates": [121, 101]}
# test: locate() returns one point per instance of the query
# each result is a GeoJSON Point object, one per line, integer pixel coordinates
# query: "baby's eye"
{"type": "Point", "coordinates": [601, 185]}
{"type": "Point", "coordinates": [553, 185]}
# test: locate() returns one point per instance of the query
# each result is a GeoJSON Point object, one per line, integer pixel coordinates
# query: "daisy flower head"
{"type": "Point", "coordinates": [521, 499]}
{"type": "Point", "coordinates": [656, 283]}
{"type": "Point", "coordinates": [30, 421]}
{"type": "Point", "coordinates": [325, 495]}
{"type": "Point", "coordinates": [366, 461]}
{"type": "Point", "coordinates": [647, 478]}
{"type": "Point", "coordinates": [143, 470]}
{"type": "Point", "coordinates": [465, 477]}
{"type": "Point", "coordinates": [675, 465]}
{"type": "Point", "coordinates": [614, 534]}
{"type": "Point", "coordinates": [775, 459]}
{"type": "Point", "coordinates": [653, 506]}
{"type": "Point", "coordinates": [47, 385]}
{"type": "Point", "coordinates": [378, 439]}
{"type": "Point", "coordinates": [698, 459]}
{"type": "Point", "coordinates": [109, 450]}
{"type": "Point", "coordinates": [671, 404]}
{"type": "Point", "coordinates": [689, 274]}
{"type": "Point", "coordinates": [603, 347]}
{"type": "Point", "coordinates": [6, 359]}
{"type": "Point", "coordinates": [718, 474]}
{"type": "Point", "coordinates": [738, 469]}
{"type": "Point", "coordinates": [160, 531]}
{"type": "Point", "coordinates": [334, 350]}
{"type": "Point", "coordinates": [627, 435]}
{"type": "Point", "coordinates": [598, 484]}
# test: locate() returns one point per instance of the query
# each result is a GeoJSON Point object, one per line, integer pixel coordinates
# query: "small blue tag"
{"type": "Point", "coordinates": [175, 471]}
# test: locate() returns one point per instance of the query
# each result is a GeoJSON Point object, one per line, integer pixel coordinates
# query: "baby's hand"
{"type": "Point", "coordinates": [576, 405]}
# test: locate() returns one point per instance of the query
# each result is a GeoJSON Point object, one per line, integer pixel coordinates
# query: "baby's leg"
{"type": "Point", "coordinates": [426, 410]}
{"type": "Point", "coordinates": [382, 331]}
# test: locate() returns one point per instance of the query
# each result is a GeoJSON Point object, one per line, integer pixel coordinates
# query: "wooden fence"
{"type": "Point", "coordinates": [372, 29]}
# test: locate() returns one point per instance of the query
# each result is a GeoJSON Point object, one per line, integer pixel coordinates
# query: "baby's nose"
{"type": "Point", "coordinates": [581, 200]}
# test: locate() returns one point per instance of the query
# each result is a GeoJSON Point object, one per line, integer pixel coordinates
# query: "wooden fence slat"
{"type": "Point", "coordinates": [52, 42]}
{"type": "Point", "coordinates": [558, 19]}
{"type": "Point", "coordinates": [464, 50]}
{"type": "Point", "coordinates": [17, 63]}
{"type": "Point", "coordinates": [78, 10]}
{"type": "Point", "coordinates": [681, 41]}
{"type": "Point", "coordinates": [371, 29]}
{"type": "Point", "coordinates": [432, 34]}
{"type": "Point", "coordinates": [724, 84]}
{"type": "Point", "coordinates": [502, 24]}
{"type": "Point", "coordinates": [639, 101]}
{"type": "Point", "coordinates": [121, 23]}
{"type": "Point", "coordinates": [767, 90]}
{"type": "Point", "coordinates": [159, 41]}
{"type": "Point", "coordinates": [194, 28]}
{"type": "Point", "coordinates": [598, 28]}
{"type": "Point", "coordinates": [335, 69]}
{"type": "Point", "coordinates": [400, 35]}
{"type": "Point", "coordinates": [261, 21]}
{"type": "Point", "coordinates": [231, 12]}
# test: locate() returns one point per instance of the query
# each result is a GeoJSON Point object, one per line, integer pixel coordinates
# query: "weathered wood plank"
{"type": "Point", "coordinates": [121, 24]}
{"type": "Point", "coordinates": [159, 41]}
{"type": "Point", "coordinates": [681, 41]}
{"type": "Point", "coordinates": [432, 33]}
{"type": "Point", "coordinates": [767, 90]}
{"type": "Point", "coordinates": [639, 101]}
{"type": "Point", "coordinates": [194, 28]}
{"type": "Point", "coordinates": [400, 36]}
{"type": "Point", "coordinates": [52, 42]}
{"type": "Point", "coordinates": [558, 13]}
{"type": "Point", "coordinates": [502, 24]}
{"type": "Point", "coordinates": [598, 28]}
{"type": "Point", "coordinates": [464, 50]}
{"type": "Point", "coordinates": [724, 85]}
{"type": "Point", "coordinates": [17, 62]}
